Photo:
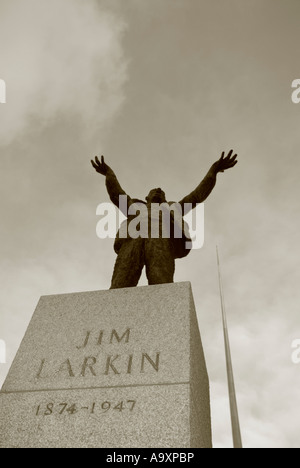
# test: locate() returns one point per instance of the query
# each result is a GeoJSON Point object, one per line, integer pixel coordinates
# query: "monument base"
{"type": "Point", "coordinates": [109, 369]}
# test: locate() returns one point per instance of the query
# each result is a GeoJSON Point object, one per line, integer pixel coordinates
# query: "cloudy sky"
{"type": "Point", "coordinates": [161, 88]}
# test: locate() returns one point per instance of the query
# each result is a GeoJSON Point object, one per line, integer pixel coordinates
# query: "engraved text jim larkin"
{"type": "Point", "coordinates": [101, 364]}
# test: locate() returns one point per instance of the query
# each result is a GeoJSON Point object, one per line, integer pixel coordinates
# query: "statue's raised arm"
{"type": "Point", "coordinates": [200, 194]}
{"type": "Point", "coordinates": [113, 186]}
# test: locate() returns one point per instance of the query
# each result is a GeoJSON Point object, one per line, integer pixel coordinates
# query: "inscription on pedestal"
{"type": "Point", "coordinates": [102, 364]}
{"type": "Point", "coordinates": [118, 368]}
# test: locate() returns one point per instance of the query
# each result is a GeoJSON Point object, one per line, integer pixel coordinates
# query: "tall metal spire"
{"type": "Point", "coordinates": [235, 424]}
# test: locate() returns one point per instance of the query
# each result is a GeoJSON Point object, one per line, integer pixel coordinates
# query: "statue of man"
{"type": "Point", "coordinates": [156, 253]}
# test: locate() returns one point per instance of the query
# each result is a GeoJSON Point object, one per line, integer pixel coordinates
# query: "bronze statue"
{"type": "Point", "coordinates": [157, 253]}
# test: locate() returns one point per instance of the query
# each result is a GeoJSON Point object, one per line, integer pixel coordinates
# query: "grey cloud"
{"type": "Point", "coordinates": [58, 59]}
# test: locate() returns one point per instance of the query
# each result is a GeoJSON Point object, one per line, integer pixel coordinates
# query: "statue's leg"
{"type": "Point", "coordinates": [129, 264]}
{"type": "Point", "coordinates": [160, 262]}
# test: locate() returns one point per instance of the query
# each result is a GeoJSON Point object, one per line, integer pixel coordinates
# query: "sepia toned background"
{"type": "Point", "coordinates": [161, 88]}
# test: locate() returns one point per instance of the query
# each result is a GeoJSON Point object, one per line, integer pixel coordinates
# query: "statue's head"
{"type": "Point", "coordinates": [156, 195]}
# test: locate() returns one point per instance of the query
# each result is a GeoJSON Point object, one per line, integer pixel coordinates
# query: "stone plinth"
{"type": "Point", "coordinates": [118, 368]}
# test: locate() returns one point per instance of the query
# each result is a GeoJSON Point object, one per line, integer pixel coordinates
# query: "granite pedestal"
{"type": "Point", "coordinates": [111, 369]}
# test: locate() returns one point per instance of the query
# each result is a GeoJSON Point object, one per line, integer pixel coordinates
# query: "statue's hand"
{"type": "Point", "coordinates": [100, 167]}
{"type": "Point", "coordinates": [225, 163]}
